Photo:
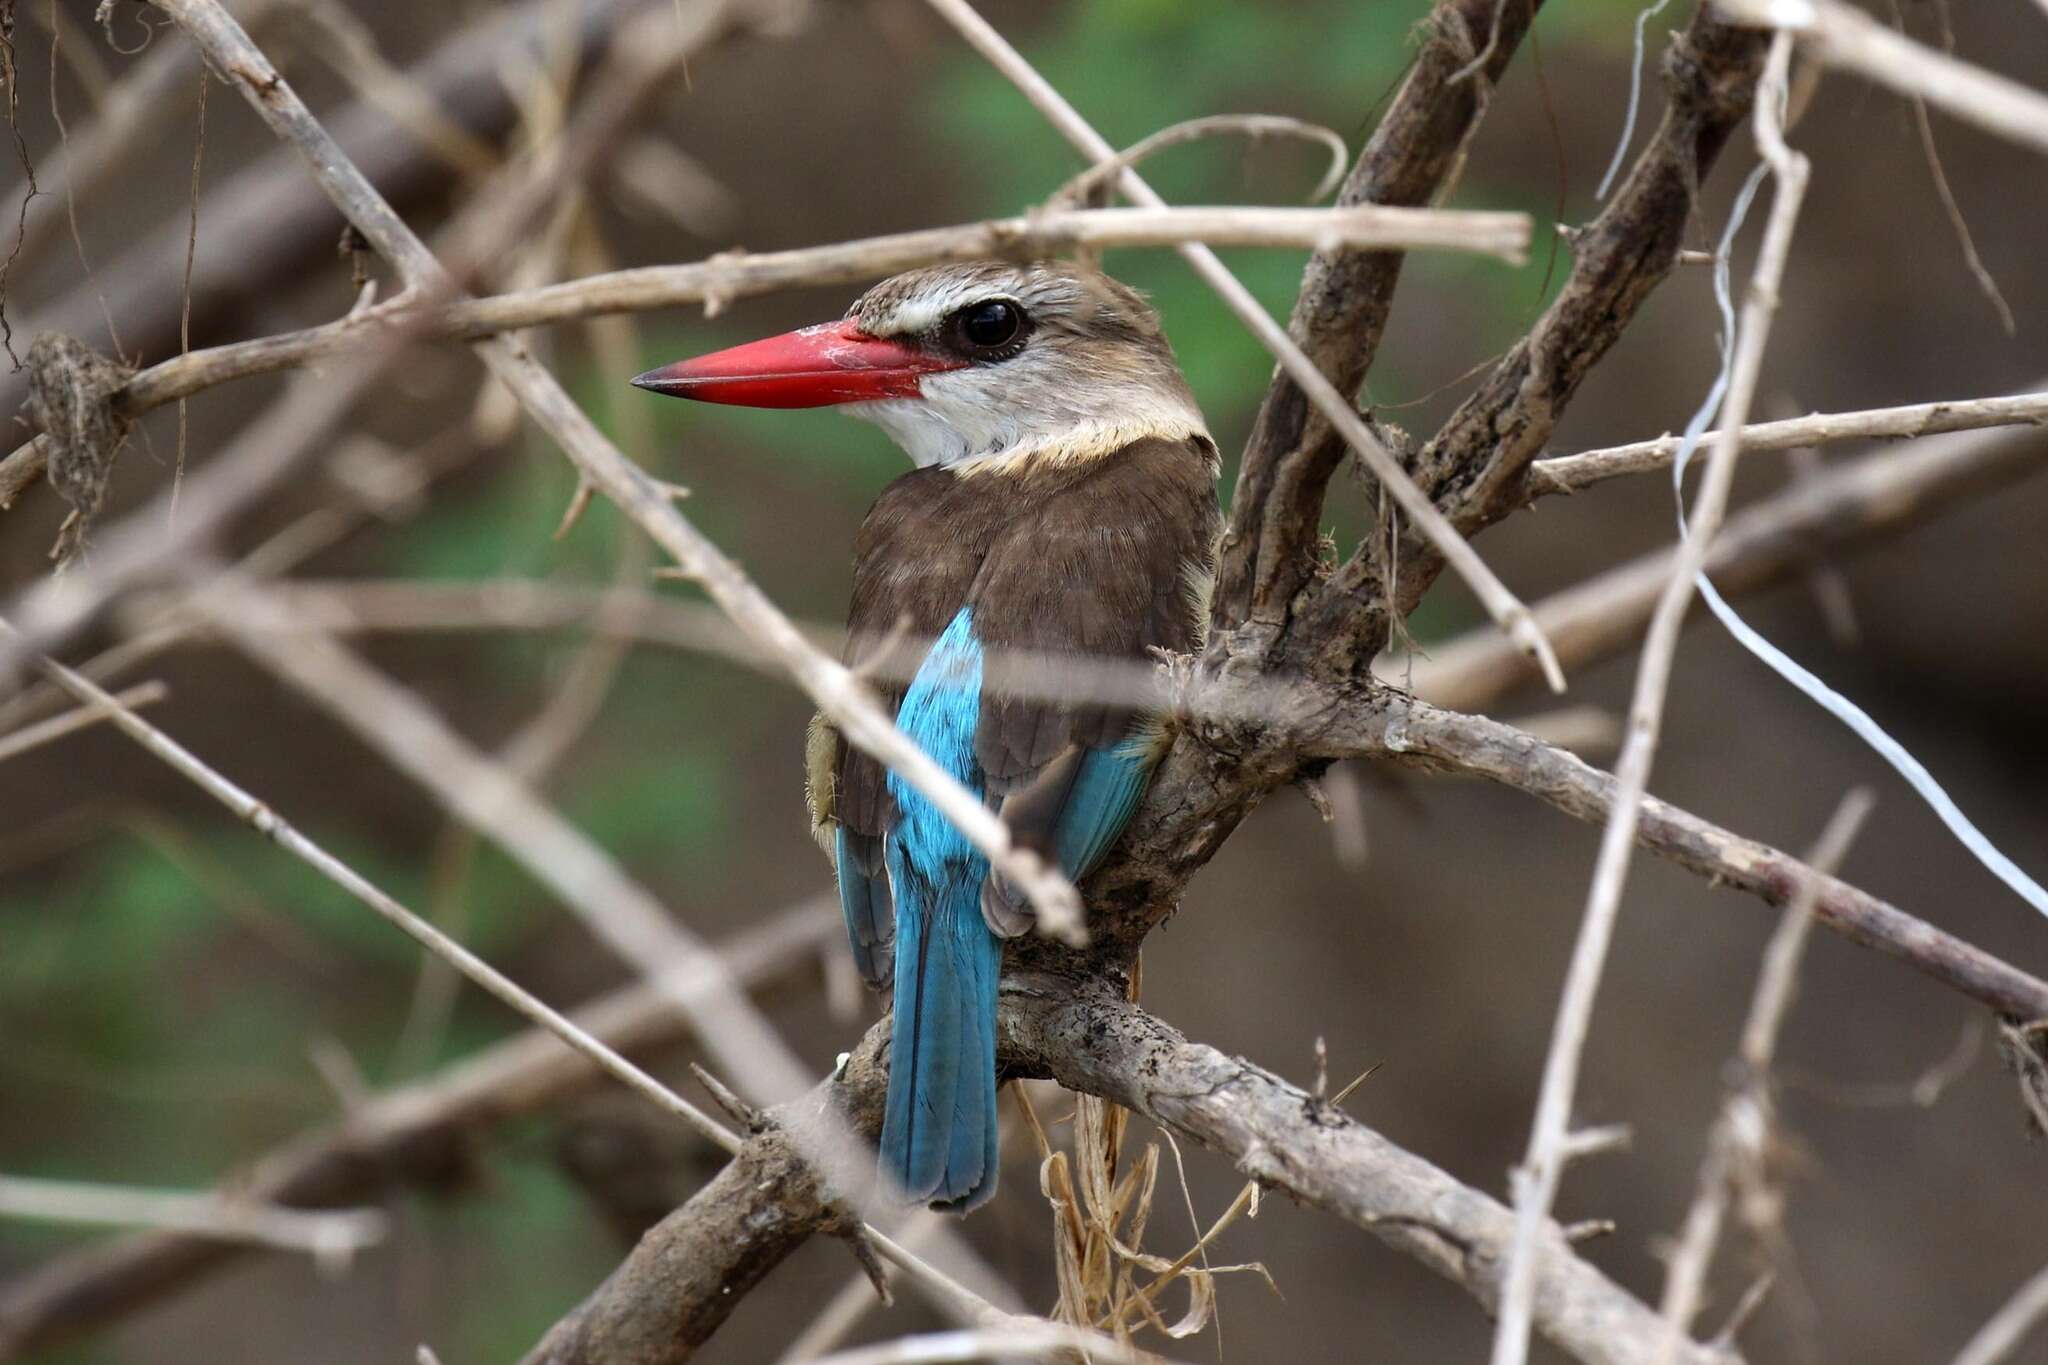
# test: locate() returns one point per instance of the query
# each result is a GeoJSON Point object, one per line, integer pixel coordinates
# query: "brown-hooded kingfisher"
{"type": "Point", "coordinates": [1063, 503]}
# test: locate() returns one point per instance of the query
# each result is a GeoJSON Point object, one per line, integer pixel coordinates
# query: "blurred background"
{"type": "Point", "coordinates": [176, 996]}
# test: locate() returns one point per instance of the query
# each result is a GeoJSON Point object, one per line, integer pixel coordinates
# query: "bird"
{"type": "Point", "coordinates": [1063, 505]}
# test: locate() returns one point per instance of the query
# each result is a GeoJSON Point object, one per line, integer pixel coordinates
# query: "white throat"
{"type": "Point", "coordinates": [970, 420]}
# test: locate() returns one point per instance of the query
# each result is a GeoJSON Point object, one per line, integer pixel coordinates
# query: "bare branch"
{"type": "Point", "coordinates": [1737, 1142]}
{"type": "Point", "coordinates": [1842, 36]}
{"type": "Point", "coordinates": [405, 1134]}
{"type": "Point", "coordinates": [1996, 1339]}
{"type": "Point", "coordinates": [330, 1237]}
{"type": "Point", "coordinates": [732, 275]}
{"type": "Point", "coordinates": [56, 727]}
{"type": "Point", "coordinates": [1847, 506]}
{"type": "Point", "coordinates": [1268, 553]}
{"type": "Point", "coordinates": [1474, 464]}
{"type": "Point", "coordinates": [1536, 1179]}
{"type": "Point", "coordinates": [1573, 473]}
{"type": "Point", "coordinates": [1088, 1038]}
{"type": "Point", "coordinates": [1414, 732]}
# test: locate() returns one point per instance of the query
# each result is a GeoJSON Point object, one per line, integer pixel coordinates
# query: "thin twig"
{"type": "Point", "coordinates": [732, 275]}
{"type": "Point", "coordinates": [330, 1236]}
{"type": "Point", "coordinates": [1047, 1341]}
{"type": "Point", "coordinates": [1741, 1134]}
{"type": "Point", "coordinates": [1083, 187]}
{"type": "Point", "coordinates": [1842, 36]}
{"type": "Point", "coordinates": [1572, 473]}
{"type": "Point", "coordinates": [1996, 1339]}
{"type": "Point", "coordinates": [1536, 1179]}
{"type": "Point", "coordinates": [28, 737]}
{"type": "Point", "coordinates": [1413, 732]}
{"type": "Point", "coordinates": [1848, 505]}
{"type": "Point", "coordinates": [361, 1155]}
{"type": "Point", "coordinates": [1500, 604]}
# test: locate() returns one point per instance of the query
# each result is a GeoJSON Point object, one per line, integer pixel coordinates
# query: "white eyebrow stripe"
{"type": "Point", "coordinates": [921, 312]}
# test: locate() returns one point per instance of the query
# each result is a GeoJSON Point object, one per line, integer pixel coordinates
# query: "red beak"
{"type": "Point", "coordinates": [811, 367]}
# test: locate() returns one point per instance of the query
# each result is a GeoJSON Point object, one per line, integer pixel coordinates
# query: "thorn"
{"type": "Point", "coordinates": [742, 1113]}
{"type": "Point", "coordinates": [1322, 1068]}
{"type": "Point", "coordinates": [1312, 788]}
{"type": "Point", "coordinates": [871, 1262]}
{"type": "Point", "coordinates": [578, 502]}
{"type": "Point", "coordinates": [1593, 1141]}
{"type": "Point", "coordinates": [1689, 256]}
{"type": "Point", "coordinates": [1752, 1299]}
{"type": "Point", "coordinates": [1588, 1230]}
{"type": "Point", "coordinates": [1360, 1079]}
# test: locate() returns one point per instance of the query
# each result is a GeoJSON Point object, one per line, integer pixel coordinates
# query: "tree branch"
{"type": "Point", "coordinates": [731, 275]}
{"type": "Point", "coordinates": [1268, 551]}
{"type": "Point", "coordinates": [1847, 507]}
{"type": "Point", "coordinates": [1414, 732]}
{"type": "Point", "coordinates": [1474, 466]}
{"type": "Point", "coordinates": [1083, 1034]}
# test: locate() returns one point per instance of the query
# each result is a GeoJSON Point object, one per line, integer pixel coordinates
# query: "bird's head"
{"type": "Point", "coordinates": [972, 366]}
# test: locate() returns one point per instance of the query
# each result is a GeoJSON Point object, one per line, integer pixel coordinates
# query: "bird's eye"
{"type": "Point", "coordinates": [991, 325]}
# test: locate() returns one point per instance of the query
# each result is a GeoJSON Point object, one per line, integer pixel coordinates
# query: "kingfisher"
{"type": "Point", "coordinates": [1063, 504]}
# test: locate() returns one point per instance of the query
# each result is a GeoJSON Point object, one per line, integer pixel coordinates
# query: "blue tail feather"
{"type": "Point", "coordinates": [939, 1119]}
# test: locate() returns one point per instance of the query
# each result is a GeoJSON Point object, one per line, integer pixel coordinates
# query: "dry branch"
{"type": "Point", "coordinates": [735, 274]}
{"type": "Point", "coordinates": [1738, 1142]}
{"type": "Point", "coordinates": [330, 1235]}
{"type": "Point", "coordinates": [1848, 506]}
{"type": "Point", "coordinates": [56, 727]}
{"type": "Point", "coordinates": [1268, 553]}
{"type": "Point", "coordinates": [1474, 465]}
{"type": "Point", "coordinates": [414, 1134]}
{"type": "Point", "coordinates": [1842, 36]}
{"type": "Point", "coordinates": [1409, 731]}
{"type": "Point", "coordinates": [1573, 473]}
{"type": "Point", "coordinates": [1086, 1036]}
{"type": "Point", "coordinates": [2024, 1311]}
{"type": "Point", "coordinates": [1536, 1180]}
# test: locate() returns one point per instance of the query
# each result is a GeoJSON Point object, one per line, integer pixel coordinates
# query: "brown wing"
{"type": "Point", "coordinates": [1099, 568]}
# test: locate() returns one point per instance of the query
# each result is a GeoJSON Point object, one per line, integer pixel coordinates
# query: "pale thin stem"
{"type": "Point", "coordinates": [1850, 503]}
{"type": "Point", "coordinates": [281, 832]}
{"type": "Point", "coordinates": [56, 727]}
{"type": "Point", "coordinates": [1500, 604]}
{"type": "Point", "coordinates": [1842, 36]}
{"type": "Point", "coordinates": [836, 691]}
{"type": "Point", "coordinates": [1742, 1130]}
{"type": "Point", "coordinates": [1571, 473]}
{"type": "Point", "coordinates": [1027, 1341]}
{"type": "Point", "coordinates": [1996, 1339]}
{"type": "Point", "coordinates": [718, 281]}
{"type": "Point", "coordinates": [946, 1291]}
{"type": "Point", "coordinates": [1536, 1180]}
{"type": "Point", "coordinates": [328, 1235]}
